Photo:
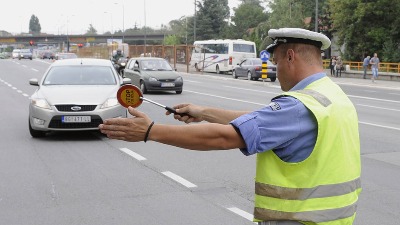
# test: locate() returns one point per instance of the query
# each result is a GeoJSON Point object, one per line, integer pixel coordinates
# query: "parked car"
{"type": "Point", "coordinates": [60, 56]}
{"type": "Point", "coordinates": [25, 54]}
{"type": "Point", "coordinates": [15, 53]}
{"type": "Point", "coordinates": [252, 68]}
{"type": "Point", "coordinates": [153, 74]}
{"type": "Point", "coordinates": [75, 94]}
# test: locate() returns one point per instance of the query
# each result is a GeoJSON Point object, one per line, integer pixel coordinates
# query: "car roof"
{"type": "Point", "coordinates": [82, 61]}
{"type": "Point", "coordinates": [148, 58]}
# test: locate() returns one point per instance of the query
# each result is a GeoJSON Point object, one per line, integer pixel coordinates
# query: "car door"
{"type": "Point", "coordinates": [241, 69]}
{"type": "Point", "coordinates": [132, 72]}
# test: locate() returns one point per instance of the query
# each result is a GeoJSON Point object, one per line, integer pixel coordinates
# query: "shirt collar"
{"type": "Point", "coordinates": [305, 82]}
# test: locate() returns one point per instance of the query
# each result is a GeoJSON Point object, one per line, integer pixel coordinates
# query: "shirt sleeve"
{"type": "Point", "coordinates": [271, 127]}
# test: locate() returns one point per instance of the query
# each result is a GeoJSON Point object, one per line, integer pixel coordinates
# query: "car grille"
{"type": "Point", "coordinates": [56, 123]}
{"type": "Point", "coordinates": [67, 108]}
{"type": "Point", "coordinates": [166, 80]}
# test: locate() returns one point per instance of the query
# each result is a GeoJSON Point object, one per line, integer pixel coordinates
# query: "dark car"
{"type": "Point", "coordinates": [252, 68]}
{"type": "Point", "coordinates": [25, 54]}
{"type": "Point", "coordinates": [153, 74]}
{"type": "Point", "coordinates": [48, 55]}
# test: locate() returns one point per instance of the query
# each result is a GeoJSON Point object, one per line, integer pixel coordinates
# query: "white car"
{"type": "Point", "coordinates": [15, 53]}
{"type": "Point", "coordinates": [75, 94]}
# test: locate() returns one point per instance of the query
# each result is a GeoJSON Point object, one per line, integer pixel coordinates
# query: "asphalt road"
{"type": "Point", "coordinates": [85, 178]}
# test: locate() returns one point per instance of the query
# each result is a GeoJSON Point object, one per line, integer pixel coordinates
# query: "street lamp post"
{"type": "Point", "coordinates": [123, 20]}
{"type": "Point", "coordinates": [316, 15]}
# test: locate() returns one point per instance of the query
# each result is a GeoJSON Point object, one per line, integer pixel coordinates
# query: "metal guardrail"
{"type": "Point", "coordinates": [358, 66]}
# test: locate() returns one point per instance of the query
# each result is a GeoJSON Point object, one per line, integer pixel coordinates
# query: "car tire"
{"type": "Point", "coordinates": [217, 70]}
{"type": "Point", "coordinates": [179, 92]}
{"type": "Point", "coordinates": [234, 74]}
{"type": "Point", "coordinates": [249, 76]}
{"type": "Point", "coordinates": [143, 87]}
{"type": "Point", "coordinates": [273, 79]}
{"type": "Point", "coordinates": [35, 133]}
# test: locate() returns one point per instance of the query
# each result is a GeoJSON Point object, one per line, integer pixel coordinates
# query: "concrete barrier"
{"type": "Point", "coordinates": [359, 74]}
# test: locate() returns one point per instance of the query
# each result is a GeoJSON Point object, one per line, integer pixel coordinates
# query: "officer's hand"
{"type": "Point", "coordinates": [192, 113]}
{"type": "Point", "coordinates": [127, 129]}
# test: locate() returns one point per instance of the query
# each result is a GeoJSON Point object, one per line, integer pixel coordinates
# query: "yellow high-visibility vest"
{"type": "Point", "coordinates": [324, 188]}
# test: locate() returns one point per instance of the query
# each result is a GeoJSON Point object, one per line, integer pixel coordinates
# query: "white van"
{"type": "Point", "coordinates": [15, 53]}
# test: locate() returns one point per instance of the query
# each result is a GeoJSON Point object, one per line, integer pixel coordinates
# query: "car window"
{"type": "Point", "coordinates": [80, 75]}
{"type": "Point", "coordinates": [155, 65]}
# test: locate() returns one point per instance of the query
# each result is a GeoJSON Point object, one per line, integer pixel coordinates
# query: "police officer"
{"type": "Point", "coordinates": [306, 140]}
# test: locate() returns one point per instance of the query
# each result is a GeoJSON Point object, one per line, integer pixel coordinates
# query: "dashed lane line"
{"type": "Point", "coordinates": [242, 213]}
{"type": "Point", "coordinates": [179, 179]}
{"type": "Point", "coordinates": [133, 154]}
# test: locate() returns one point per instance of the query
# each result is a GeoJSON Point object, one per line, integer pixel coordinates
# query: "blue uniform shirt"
{"type": "Point", "coordinates": [285, 126]}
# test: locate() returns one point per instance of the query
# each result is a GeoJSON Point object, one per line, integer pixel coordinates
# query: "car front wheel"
{"type": "Point", "coordinates": [143, 87]}
{"type": "Point", "coordinates": [234, 74]}
{"type": "Point", "coordinates": [35, 133]}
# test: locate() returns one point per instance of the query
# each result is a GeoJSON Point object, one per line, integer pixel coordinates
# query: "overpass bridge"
{"type": "Point", "coordinates": [75, 39]}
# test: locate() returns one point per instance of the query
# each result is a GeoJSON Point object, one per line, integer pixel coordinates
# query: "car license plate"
{"type": "Point", "coordinates": [167, 84]}
{"type": "Point", "coordinates": [76, 119]}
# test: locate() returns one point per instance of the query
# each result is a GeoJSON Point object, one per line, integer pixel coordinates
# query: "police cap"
{"type": "Point", "coordinates": [297, 35]}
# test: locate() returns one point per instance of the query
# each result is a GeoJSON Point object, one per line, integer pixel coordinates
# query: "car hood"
{"type": "Point", "coordinates": [73, 94]}
{"type": "Point", "coordinates": [161, 74]}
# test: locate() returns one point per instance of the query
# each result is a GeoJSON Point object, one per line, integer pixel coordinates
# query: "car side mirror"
{"type": "Point", "coordinates": [126, 81]}
{"type": "Point", "coordinates": [34, 82]}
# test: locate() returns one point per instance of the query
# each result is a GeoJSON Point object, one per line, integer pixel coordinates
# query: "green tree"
{"type": "Point", "coordinates": [248, 15]}
{"type": "Point", "coordinates": [34, 25]}
{"type": "Point", "coordinates": [91, 30]}
{"type": "Point", "coordinates": [365, 27]}
{"type": "Point", "coordinates": [211, 19]}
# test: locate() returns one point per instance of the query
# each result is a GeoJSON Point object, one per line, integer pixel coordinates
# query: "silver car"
{"type": "Point", "coordinates": [75, 94]}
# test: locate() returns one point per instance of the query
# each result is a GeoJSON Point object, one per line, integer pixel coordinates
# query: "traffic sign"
{"type": "Point", "coordinates": [264, 55]}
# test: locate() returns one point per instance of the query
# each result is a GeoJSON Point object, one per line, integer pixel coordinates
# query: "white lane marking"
{"type": "Point", "coordinates": [14, 88]}
{"type": "Point", "coordinates": [133, 154]}
{"type": "Point", "coordinates": [241, 213]}
{"type": "Point", "coordinates": [370, 91]}
{"type": "Point", "coordinates": [19, 91]}
{"type": "Point", "coordinates": [377, 125]}
{"type": "Point", "coordinates": [232, 99]}
{"type": "Point", "coordinates": [377, 99]}
{"type": "Point", "coordinates": [379, 107]}
{"type": "Point", "coordinates": [24, 65]}
{"type": "Point", "coordinates": [246, 89]}
{"type": "Point", "coordinates": [192, 81]}
{"type": "Point", "coordinates": [35, 70]}
{"type": "Point", "coordinates": [179, 179]}
{"type": "Point", "coordinates": [26, 95]}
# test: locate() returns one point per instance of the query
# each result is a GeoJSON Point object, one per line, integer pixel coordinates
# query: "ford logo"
{"type": "Point", "coordinates": [76, 108]}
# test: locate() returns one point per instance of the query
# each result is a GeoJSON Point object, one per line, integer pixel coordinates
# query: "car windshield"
{"type": "Point", "coordinates": [80, 75]}
{"type": "Point", "coordinates": [25, 50]}
{"type": "Point", "coordinates": [156, 65]}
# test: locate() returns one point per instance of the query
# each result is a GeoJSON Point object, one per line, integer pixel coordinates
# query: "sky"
{"type": "Point", "coordinates": [74, 17]}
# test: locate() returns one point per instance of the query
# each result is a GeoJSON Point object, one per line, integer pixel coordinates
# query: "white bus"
{"type": "Point", "coordinates": [221, 55]}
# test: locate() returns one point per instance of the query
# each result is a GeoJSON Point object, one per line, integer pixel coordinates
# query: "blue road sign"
{"type": "Point", "coordinates": [264, 55]}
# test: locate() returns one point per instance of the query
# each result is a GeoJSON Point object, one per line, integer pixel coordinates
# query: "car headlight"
{"type": "Point", "coordinates": [152, 79]}
{"type": "Point", "coordinates": [122, 64]}
{"type": "Point", "coordinates": [109, 103]}
{"type": "Point", "coordinates": [41, 103]}
{"type": "Point", "coordinates": [179, 79]}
